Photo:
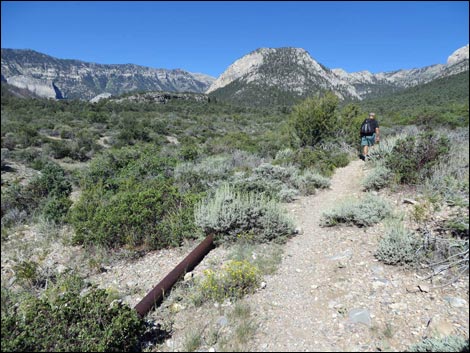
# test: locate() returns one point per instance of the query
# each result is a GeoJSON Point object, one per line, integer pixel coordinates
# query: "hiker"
{"type": "Point", "coordinates": [370, 134]}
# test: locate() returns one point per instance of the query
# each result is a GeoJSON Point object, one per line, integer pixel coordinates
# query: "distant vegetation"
{"type": "Point", "coordinates": [442, 102]}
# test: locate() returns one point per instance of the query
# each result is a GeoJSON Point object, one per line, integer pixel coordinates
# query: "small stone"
{"type": "Point", "coordinates": [410, 201]}
{"type": "Point", "coordinates": [456, 302]}
{"type": "Point", "coordinates": [188, 277]}
{"type": "Point", "coordinates": [263, 285]}
{"type": "Point", "coordinates": [423, 288]}
{"type": "Point", "coordinates": [360, 315]}
{"type": "Point", "coordinates": [222, 321]}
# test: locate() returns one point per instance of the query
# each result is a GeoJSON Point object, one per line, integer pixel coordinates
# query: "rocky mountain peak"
{"type": "Point", "coordinates": [240, 67]}
{"type": "Point", "coordinates": [459, 55]}
{"type": "Point", "coordinates": [287, 69]}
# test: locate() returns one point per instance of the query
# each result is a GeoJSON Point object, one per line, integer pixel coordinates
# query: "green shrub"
{"type": "Point", "coordinates": [365, 212]}
{"type": "Point", "coordinates": [114, 166]}
{"type": "Point", "coordinates": [47, 194]}
{"type": "Point", "coordinates": [236, 279]}
{"type": "Point", "coordinates": [56, 208]}
{"type": "Point", "coordinates": [52, 182]}
{"type": "Point", "coordinates": [412, 158]}
{"type": "Point", "coordinates": [324, 161]}
{"type": "Point", "coordinates": [26, 272]}
{"type": "Point", "coordinates": [228, 213]}
{"type": "Point", "coordinates": [314, 120]}
{"type": "Point", "coordinates": [153, 214]}
{"type": "Point", "coordinates": [398, 246]}
{"type": "Point", "coordinates": [70, 321]}
{"type": "Point", "coordinates": [446, 344]}
{"type": "Point", "coordinates": [457, 225]}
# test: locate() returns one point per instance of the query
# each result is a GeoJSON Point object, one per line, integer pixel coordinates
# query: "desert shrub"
{"type": "Point", "coordinates": [129, 198]}
{"type": "Point", "coordinates": [228, 213]}
{"type": "Point", "coordinates": [449, 179]}
{"type": "Point", "coordinates": [12, 216]}
{"type": "Point", "coordinates": [412, 158]}
{"type": "Point", "coordinates": [26, 272]}
{"type": "Point", "coordinates": [383, 150]}
{"type": "Point", "coordinates": [398, 246]}
{"type": "Point", "coordinates": [139, 162]}
{"type": "Point", "coordinates": [445, 344]}
{"type": "Point", "coordinates": [47, 194]}
{"type": "Point", "coordinates": [52, 182]}
{"type": "Point", "coordinates": [5, 155]}
{"type": "Point", "coordinates": [70, 321]}
{"type": "Point", "coordinates": [280, 183]}
{"type": "Point", "coordinates": [59, 149]}
{"type": "Point", "coordinates": [324, 161]}
{"type": "Point", "coordinates": [284, 157]}
{"type": "Point", "coordinates": [378, 178]}
{"type": "Point", "coordinates": [314, 120]}
{"type": "Point", "coordinates": [205, 174]}
{"type": "Point", "coordinates": [209, 172]}
{"type": "Point", "coordinates": [274, 172]}
{"type": "Point", "coordinates": [64, 131]}
{"type": "Point", "coordinates": [236, 279]}
{"type": "Point", "coordinates": [56, 208]}
{"type": "Point", "coordinates": [365, 212]}
{"type": "Point", "coordinates": [153, 214]}
{"type": "Point", "coordinates": [254, 184]}
{"type": "Point", "coordinates": [457, 225]}
{"type": "Point", "coordinates": [310, 180]}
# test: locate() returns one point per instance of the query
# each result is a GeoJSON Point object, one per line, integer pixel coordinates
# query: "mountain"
{"type": "Point", "coordinates": [277, 76]}
{"type": "Point", "coordinates": [445, 96]}
{"type": "Point", "coordinates": [285, 75]}
{"type": "Point", "coordinates": [264, 77]}
{"type": "Point", "coordinates": [50, 77]}
{"type": "Point", "coordinates": [374, 85]}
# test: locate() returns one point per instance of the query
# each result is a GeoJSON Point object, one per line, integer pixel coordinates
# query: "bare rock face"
{"type": "Point", "coordinates": [58, 78]}
{"type": "Point", "coordinates": [243, 66]}
{"type": "Point", "coordinates": [42, 88]}
{"type": "Point", "coordinates": [458, 55]}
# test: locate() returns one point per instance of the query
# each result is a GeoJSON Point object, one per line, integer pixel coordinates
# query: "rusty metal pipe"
{"type": "Point", "coordinates": [155, 296]}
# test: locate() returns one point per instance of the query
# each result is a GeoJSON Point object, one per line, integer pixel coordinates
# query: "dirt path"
{"type": "Point", "coordinates": [327, 274]}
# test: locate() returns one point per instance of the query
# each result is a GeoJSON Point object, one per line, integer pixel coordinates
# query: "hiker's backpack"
{"type": "Point", "coordinates": [367, 128]}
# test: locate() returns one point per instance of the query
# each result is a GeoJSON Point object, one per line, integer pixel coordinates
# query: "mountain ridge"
{"type": "Point", "coordinates": [266, 76]}
{"type": "Point", "coordinates": [245, 76]}
{"type": "Point", "coordinates": [69, 78]}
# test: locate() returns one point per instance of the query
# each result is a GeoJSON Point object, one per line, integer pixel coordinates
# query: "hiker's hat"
{"type": "Point", "coordinates": [371, 114]}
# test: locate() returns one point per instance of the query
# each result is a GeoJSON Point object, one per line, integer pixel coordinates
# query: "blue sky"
{"type": "Point", "coordinates": [208, 36]}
